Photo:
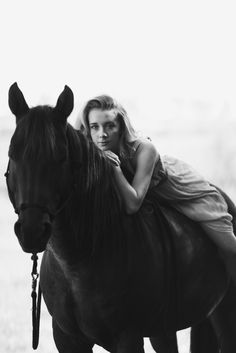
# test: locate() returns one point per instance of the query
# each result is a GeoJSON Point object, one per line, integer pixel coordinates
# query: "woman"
{"type": "Point", "coordinates": [106, 123]}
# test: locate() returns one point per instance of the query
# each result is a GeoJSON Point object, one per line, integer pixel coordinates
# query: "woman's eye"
{"type": "Point", "coordinates": [93, 127]}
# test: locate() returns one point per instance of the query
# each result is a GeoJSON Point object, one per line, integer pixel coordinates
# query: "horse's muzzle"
{"type": "Point", "coordinates": [33, 230]}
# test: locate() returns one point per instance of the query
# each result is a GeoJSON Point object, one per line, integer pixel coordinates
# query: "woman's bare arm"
{"type": "Point", "coordinates": [133, 194]}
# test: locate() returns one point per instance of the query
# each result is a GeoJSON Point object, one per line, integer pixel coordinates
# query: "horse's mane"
{"type": "Point", "coordinates": [95, 211]}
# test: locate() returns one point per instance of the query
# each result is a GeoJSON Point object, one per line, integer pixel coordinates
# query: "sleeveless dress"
{"type": "Point", "coordinates": [182, 187]}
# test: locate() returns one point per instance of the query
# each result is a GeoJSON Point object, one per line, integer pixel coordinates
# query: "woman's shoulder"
{"type": "Point", "coordinates": [144, 150]}
{"type": "Point", "coordinates": [141, 143]}
{"type": "Point", "coordinates": [145, 146]}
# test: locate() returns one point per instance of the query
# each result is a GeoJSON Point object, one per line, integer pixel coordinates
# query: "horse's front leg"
{"type": "Point", "coordinates": [128, 343]}
{"type": "Point", "coordinates": [70, 344]}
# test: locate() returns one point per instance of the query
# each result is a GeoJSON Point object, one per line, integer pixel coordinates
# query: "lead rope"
{"type": "Point", "coordinates": [36, 303]}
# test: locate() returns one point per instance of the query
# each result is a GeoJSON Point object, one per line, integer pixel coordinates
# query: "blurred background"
{"type": "Point", "coordinates": [171, 64]}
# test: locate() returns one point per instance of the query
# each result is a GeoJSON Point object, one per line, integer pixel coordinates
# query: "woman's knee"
{"type": "Point", "coordinates": [225, 240]}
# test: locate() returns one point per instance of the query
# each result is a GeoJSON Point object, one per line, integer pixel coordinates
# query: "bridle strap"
{"type": "Point", "coordinates": [24, 206]}
{"type": "Point", "coordinates": [45, 209]}
{"type": "Point", "coordinates": [36, 303]}
{"type": "Point", "coordinates": [10, 193]}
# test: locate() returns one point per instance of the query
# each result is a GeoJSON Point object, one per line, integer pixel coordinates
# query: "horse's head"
{"type": "Point", "coordinates": [39, 173]}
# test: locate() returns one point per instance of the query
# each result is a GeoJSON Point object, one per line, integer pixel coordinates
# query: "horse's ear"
{"type": "Point", "coordinates": [65, 103]}
{"type": "Point", "coordinates": [17, 102]}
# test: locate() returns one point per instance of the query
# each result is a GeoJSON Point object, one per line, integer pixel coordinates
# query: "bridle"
{"type": "Point", "coordinates": [36, 297]}
{"type": "Point", "coordinates": [45, 209]}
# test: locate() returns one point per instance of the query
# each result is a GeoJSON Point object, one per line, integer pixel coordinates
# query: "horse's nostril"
{"type": "Point", "coordinates": [17, 228]}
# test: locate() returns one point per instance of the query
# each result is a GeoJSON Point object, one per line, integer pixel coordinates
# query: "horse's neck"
{"type": "Point", "coordinates": [89, 226]}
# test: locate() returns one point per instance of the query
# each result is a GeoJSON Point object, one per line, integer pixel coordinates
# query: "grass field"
{"type": "Point", "coordinates": [216, 162]}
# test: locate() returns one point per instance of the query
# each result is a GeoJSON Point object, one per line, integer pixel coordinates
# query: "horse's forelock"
{"type": "Point", "coordinates": [35, 135]}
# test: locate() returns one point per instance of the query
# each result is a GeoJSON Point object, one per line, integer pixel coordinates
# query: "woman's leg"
{"type": "Point", "coordinates": [192, 195]}
{"type": "Point", "coordinates": [223, 237]}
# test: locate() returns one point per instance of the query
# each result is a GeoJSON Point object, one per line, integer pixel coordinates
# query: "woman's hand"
{"type": "Point", "coordinates": [113, 158]}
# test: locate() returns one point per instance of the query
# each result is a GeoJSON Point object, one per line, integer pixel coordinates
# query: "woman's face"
{"type": "Point", "coordinates": [104, 129]}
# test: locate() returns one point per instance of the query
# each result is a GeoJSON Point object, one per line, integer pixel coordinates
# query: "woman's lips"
{"type": "Point", "coordinates": [103, 143]}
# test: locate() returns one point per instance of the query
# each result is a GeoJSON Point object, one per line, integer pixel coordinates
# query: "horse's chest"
{"type": "Point", "coordinates": [99, 311]}
{"type": "Point", "coordinates": [104, 308]}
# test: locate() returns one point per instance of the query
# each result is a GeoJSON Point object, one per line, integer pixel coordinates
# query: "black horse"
{"type": "Point", "coordinates": [108, 278]}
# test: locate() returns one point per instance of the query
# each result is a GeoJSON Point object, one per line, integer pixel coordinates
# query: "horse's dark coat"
{"type": "Point", "coordinates": [107, 278]}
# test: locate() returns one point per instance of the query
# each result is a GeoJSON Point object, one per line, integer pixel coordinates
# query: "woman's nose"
{"type": "Point", "coordinates": [103, 133]}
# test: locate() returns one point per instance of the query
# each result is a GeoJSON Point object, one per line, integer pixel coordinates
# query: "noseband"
{"type": "Point", "coordinates": [25, 206]}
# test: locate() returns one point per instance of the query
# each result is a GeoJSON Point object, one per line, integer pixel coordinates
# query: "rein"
{"type": "Point", "coordinates": [36, 303]}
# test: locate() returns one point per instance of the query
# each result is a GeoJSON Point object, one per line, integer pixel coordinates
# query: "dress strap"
{"type": "Point", "coordinates": [136, 144]}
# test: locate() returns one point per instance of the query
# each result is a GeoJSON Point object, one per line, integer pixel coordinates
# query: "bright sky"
{"type": "Point", "coordinates": [151, 55]}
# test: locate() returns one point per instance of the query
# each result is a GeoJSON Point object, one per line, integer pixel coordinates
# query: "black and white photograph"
{"type": "Point", "coordinates": [118, 176]}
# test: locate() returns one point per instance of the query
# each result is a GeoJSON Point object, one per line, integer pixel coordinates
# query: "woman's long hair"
{"type": "Point", "coordinates": [127, 133]}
